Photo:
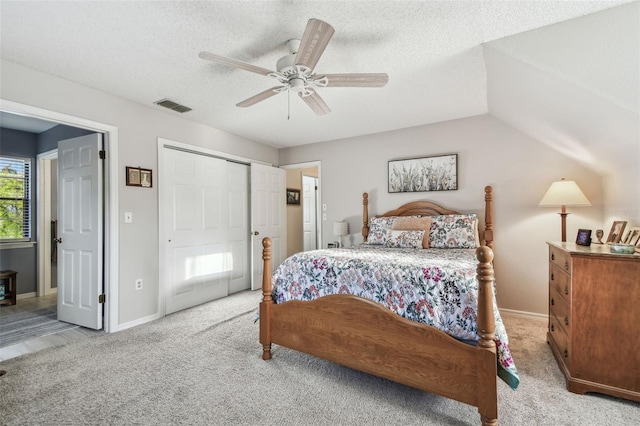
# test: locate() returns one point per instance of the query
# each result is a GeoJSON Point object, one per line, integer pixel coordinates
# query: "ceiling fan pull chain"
{"type": "Point", "coordinates": [288, 104]}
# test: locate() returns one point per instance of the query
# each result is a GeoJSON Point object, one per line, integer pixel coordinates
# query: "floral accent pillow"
{"type": "Point", "coordinates": [404, 239]}
{"type": "Point", "coordinates": [378, 227]}
{"type": "Point", "coordinates": [454, 231]}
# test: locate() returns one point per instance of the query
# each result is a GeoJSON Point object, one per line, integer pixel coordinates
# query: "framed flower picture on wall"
{"type": "Point", "coordinates": [437, 173]}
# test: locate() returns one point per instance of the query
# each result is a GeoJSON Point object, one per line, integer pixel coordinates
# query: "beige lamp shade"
{"type": "Point", "coordinates": [340, 228]}
{"type": "Point", "coordinates": [564, 193]}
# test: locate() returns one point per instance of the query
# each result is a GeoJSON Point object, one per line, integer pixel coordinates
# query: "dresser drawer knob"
{"type": "Point", "coordinates": [552, 277]}
{"type": "Point", "coordinates": [566, 265]}
{"type": "Point", "coordinates": [553, 302]}
{"type": "Point", "coordinates": [566, 320]}
{"type": "Point", "coordinates": [553, 328]}
{"type": "Point", "coordinates": [566, 289]}
{"type": "Point", "coordinates": [566, 353]}
{"type": "Point", "coordinates": [553, 256]}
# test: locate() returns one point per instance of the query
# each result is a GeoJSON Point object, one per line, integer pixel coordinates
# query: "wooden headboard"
{"type": "Point", "coordinates": [427, 208]}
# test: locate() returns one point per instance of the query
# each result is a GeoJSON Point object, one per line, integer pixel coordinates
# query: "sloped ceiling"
{"type": "Point", "coordinates": [432, 51]}
{"type": "Point", "coordinates": [574, 86]}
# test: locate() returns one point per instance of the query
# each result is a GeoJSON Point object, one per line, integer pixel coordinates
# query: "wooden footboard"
{"type": "Point", "coordinates": [360, 334]}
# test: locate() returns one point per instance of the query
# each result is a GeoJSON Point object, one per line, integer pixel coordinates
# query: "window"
{"type": "Point", "coordinates": [15, 199]}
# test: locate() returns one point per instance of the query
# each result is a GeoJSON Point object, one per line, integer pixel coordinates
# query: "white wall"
{"type": "Point", "coordinates": [575, 86]}
{"type": "Point", "coordinates": [490, 152]}
{"type": "Point", "coordinates": [139, 126]}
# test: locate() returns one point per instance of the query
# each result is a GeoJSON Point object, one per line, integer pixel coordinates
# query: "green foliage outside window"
{"type": "Point", "coordinates": [14, 198]}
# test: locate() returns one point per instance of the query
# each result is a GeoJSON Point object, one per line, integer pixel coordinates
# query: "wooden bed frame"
{"type": "Point", "coordinates": [363, 335]}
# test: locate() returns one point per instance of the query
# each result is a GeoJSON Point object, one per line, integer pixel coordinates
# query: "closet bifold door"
{"type": "Point", "coordinates": [205, 210]}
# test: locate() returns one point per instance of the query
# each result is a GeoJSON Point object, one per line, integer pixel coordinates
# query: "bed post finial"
{"type": "Point", "coordinates": [365, 216]}
{"type": "Point", "coordinates": [266, 273]}
{"type": "Point", "coordinates": [488, 216]}
{"type": "Point", "coordinates": [267, 301]}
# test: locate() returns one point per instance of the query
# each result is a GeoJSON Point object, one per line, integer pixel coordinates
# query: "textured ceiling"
{"type": "Point", "coordinates": [148, 50]}
{"type": "Point", "coordinates": [24, 123]}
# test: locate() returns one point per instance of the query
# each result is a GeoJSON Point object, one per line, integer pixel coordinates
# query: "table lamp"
{"type": "Point", "coordinates": [564, 193]}
{"type": "Point", "coordinates": [340, 229]}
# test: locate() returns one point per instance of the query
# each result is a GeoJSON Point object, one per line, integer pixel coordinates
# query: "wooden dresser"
{"type": "Point", "coordinates": [594, 318]}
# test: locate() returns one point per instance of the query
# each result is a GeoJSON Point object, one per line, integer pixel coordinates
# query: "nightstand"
{"type": "Point", "coordinates": [8, 283]}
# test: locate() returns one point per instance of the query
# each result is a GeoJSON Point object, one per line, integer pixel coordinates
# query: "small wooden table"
{"type": "Point", "coordinates": [9, 280]}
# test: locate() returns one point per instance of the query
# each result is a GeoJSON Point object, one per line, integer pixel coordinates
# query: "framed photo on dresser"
{"type": "Point", "coordinates": [615, 234]}
{"type": "Point", "coordinates": [584, 237]}
{"type": "Point", "coordinates": [632, 237]}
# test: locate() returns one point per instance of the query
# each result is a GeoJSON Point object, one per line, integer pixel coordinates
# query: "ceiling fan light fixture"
{"type": "Point", "coordinates": [295, 71]}
{"type": "Point", "coordinates": [297, 85]}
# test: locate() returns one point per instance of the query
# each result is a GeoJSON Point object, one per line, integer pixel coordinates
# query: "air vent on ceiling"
{"type": "Point", "coordinates": [172, 105]}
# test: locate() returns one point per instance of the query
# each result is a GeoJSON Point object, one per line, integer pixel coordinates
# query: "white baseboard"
{"type": "Point", "coordinates": [134, 323]}
{"type": "Point", "coordinates": [25, 295]}
{"type": "Point", "coordinates": [524, 314]}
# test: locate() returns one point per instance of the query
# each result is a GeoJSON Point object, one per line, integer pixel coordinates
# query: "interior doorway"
{"type": "Point", "coordinates": [309, 212]}
{"type": "Point", "coordinates": [110, 206]}
{"type": "Point", "coordinates": [304, 220]}
{"type": "Point", "coordinates": [47, 196]}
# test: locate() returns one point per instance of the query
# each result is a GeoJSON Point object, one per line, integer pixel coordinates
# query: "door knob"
{"type": "Point", "coordinates": [57, 240]}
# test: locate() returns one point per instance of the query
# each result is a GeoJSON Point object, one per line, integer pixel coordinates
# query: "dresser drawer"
{"type": "Point", "coordinates": [560, 340]}
{"type": "Point", "coordinates": [560, 281]}
{"type": "Point", "coordinates": [559, 308]}
{"type": "Point", "coordinates": [560, 258]}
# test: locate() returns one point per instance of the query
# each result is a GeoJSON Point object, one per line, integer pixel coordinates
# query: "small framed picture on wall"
{"type": "Point", "coordinates": [293, 196]}
{"type": "Point", "coordinates": [133, 176]}
{"type": "Point", "coordinates": [146, 178]}
{"type": "Point", "coordinates": [136, 176]}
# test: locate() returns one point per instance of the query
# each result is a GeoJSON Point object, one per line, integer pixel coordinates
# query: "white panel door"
{"type": "Point", "coordinates": [238, 205]}
{"type": "Point", "coordinates": [198, 260]}
{"type": "Point", "coordinates": [80, 223]}
{"type": "Point", "coordinates": [268, 217]}
{"type": "Point", "coordinates": [309, 232]}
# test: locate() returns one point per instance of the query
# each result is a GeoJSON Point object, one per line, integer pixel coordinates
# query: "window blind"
{"type": "Point", "coordinates": [15, 199]}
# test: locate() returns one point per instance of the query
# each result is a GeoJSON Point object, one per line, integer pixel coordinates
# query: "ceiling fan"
{"type": "Point", "coordinates": [295, 71]}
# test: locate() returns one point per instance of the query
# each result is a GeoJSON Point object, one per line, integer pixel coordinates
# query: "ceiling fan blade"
{"type": "Point", "coordinates": [316, 103]}
{"type": "Point", "coordinates": [356, 80]}
{"type": "Point", "coordinates": [234, 63]}
{"type": "Point", "coordinates": [259, 97]}
{"type": "Point", "coordinates": [314, 40]}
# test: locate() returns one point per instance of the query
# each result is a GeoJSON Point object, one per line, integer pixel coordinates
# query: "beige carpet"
{"type": "Point", "coordinates": [203, 366]}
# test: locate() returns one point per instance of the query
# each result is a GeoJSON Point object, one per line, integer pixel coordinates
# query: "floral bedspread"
{"type": "Point", "coordinates": [437, 287]}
